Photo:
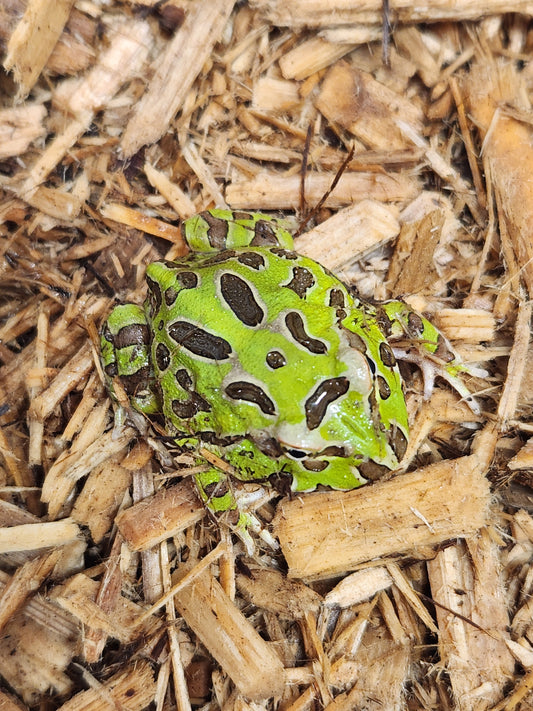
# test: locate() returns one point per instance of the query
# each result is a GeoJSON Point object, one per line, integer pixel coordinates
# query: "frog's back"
{"type": "Point", "coordinates": [250, 340]}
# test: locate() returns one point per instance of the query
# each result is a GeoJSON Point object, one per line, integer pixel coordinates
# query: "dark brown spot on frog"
{"type": "Point", "coordinates": [399, 443]}
{"type": "Point", "coordinates": [415, 325]}
{"type": "Point", "coordinates": [134, 334]}
{"type": "Point", "coordinates": [216, 489]}
{"type": "Point", "coordinates": [270, 446]}
{"type": "Point", "coordinates": [187, 280]}
{"type": "Point", "coordinates": [315, 465]}
{"type": "Point", "coordinates": [111, 370]}
{"type": "Point", "coordinates": [443, 351]}
{"type": "Point", "coordinates": [281, 482]}
{"type": "Point", "coordinates": [254, 260]}
{"type": "Point", "coordinates": [191, 407]}
{"type": "Point", "coordinates": [284, 253]}
{"type": "Point", "coordinates": [383, 387]}
{"type": "Point", "coordinates": [224, 256]}
{"type": "Point", "coordinates": [384, 322]}
{"type": "Point", "coordinates": [295, 324]}
{"type": "Point", "coordinates": [264, 234]}
{"type": "Point", "coordinates": [154, 296]}
{"type": "Point", "coordinates": [240, 298]}
{"type": "Point", "coordinates": [386, 355]}
{"type": "Point", "coordinates": [301, 281]}
{"type": "Point", "coordinates": [250, 392]}
{"type": "Point", "coordinates": [333, 451]}
{"type": "Point", "coordinates": [198, 341]}
{"type": "Point", "coordinates": [162, 357]}
{"type": "Point", "coordinates": [136, 381]}
{"type": "Point", "coordinates": [336, 298]}
{"type": "Point", "coordinates": [275, 359]}
{"type": "Point", "coordinates": [170, 296]}
{"type": "Point", "coordinates": [183, 379]}
{"type": "Point", "coordinates": [373, 471]}
{"type": "Point", "coordinates": [317, 403]}
{"type": "Point", "coordinates": [217, 230]}
{"type": "Point", "coordinates": [355, 341]}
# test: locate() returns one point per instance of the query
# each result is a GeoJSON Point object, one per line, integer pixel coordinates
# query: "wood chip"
{"type": "Point", "coordinates": [428, 506]}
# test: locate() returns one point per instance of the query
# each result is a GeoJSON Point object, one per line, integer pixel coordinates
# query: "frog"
{"type": "Point", "coordinates": [265, 359]}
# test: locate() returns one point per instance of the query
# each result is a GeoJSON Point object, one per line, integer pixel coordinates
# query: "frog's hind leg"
{"type": "Point", "coordinates": [125, 355]}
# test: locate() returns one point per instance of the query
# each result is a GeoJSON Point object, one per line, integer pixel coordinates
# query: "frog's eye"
{"type": "Point", "coordinates": [296, 453]}
{"type": "Point", "coordinates": [317, 403]}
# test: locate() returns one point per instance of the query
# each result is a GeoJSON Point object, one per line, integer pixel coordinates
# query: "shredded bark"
{"type": "Point", "coordinates": [119, 121]}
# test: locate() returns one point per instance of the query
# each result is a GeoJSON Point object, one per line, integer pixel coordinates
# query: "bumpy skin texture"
{"type": "Point", "coordinates": [264, 357]}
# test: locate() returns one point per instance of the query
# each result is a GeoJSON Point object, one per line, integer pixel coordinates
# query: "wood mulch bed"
{"type": "Point", "coordinates": [118, 121]}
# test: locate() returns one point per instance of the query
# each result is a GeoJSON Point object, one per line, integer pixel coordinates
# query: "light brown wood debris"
{"type": "Point", "coordinates": [119, 120]}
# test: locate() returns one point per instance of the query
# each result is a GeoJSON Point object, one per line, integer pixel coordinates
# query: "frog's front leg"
{"type": "Point", "coordinates": [215, 488]}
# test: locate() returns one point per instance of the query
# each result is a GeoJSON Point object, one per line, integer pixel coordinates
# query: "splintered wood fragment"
{"type": "Point", "coordinates": [20, 126]}
{"type": "Point", "coordinates": [132, 688]}
{"type": "Point", "coordinates": [358, 587]}
{"type": "Point", "coordinates": [466, 583]}
{"type": "Point", "coordinates": [39, 625]}
{"type": "Point", "coordinates": [271, 94]}
{"type": "Point", "coordinates": [269, 191]}
{"type": "Point", "coordinates": [25, 580]}
{"type": "Point", "coordinates": [175, 73]}
{"type": "Point", "coordinates": [367, 108]}
{"type": "Point", "coordinates": [61, 479]}
{"type": "Point", "coordinates": [467, 325]}
{"type": "Point", "coordinates": [300, 14]}
{"type": "Point", "coordinates": [101, 496]}
{"type": "Point", "coordinates": [524, 458]}
{"type": "Point", "coordinates": [381, 668]}
{"type": "Point", "coordinates": [33, 40]}
{"type": "Point", "coordinates": [128, 44]}
{"type": "Point", "coordinates": [350, 233]}
{"type": "Point", "coordinates": [270, 590]}
{"type": "Point", "coordinates": [517, 363]}
{"type": "Point", "coordinates": [78, 367]}
{"type": "Point", "coordinates": [161, 516]}
{"type": "Point", "coordinates": [507, 146]}
{"type": "Point", "coordinates": [418, 269]}
{"type": "Point", "coordinates": [242, 653]}
{"type": "Point", "coordinates": [311, 56]}
{"type": "Point", "coordinates": [326, 533]}
{"type": "Point", "coordinates": [78, 595]}
{"type": "Point", "coordinates": [172, 193]}
{"type": "Point", "coordinates": [8, 703]}
{"type": "Point", "coordinates": [146, 223]}
{"type": "Point", "coordinates": [32, 536]}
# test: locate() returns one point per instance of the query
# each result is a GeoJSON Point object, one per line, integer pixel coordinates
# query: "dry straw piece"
{"type": "Point", "coordinates": [118, 121]}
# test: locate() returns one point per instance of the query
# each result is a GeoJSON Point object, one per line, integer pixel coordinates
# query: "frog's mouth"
{"type": "Point", "coordinates": [272, 447]}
